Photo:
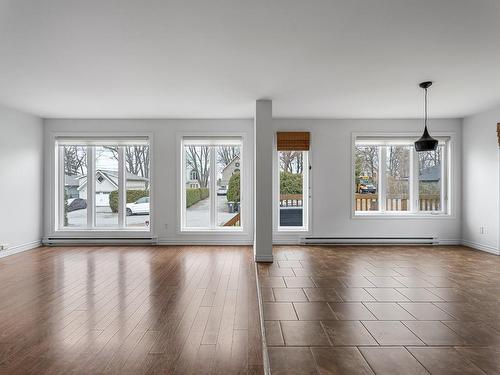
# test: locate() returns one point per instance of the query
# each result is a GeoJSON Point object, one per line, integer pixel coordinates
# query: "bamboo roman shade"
{"type": "Point", "coordinates": [293, 141]}
{"type": "Point", "coordinates": [498, 133]}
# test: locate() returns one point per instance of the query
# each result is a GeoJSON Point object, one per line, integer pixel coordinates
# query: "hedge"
{"type": "Point", "coordinates": [195, 195]}
{"type": "Point", "coordinates": [65, 209]}
{"type": "Point", "coordinates": [290, 183]}
{"type": "Point", "coordinates": [233, 190]}
{"type": "Point", "coordinates": [132, 196]}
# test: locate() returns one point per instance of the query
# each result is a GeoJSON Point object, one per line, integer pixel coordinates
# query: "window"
{"type": "Point", "coordinates": [74, 196]}
{"type": "Point", "coordinates": [106, 176]}
{"type": "Point", "coordinates": [137, 174]}
{"type": "Point", "coordinates": [106, 184]}
{"type": "Point", "coordinates": [397, 178]}
{"type": "Point", "coordinates": [430, 181]}
{"type": "Point", "coordinates": [390, 177]}
{"type": "Point", "coordinates": [293, 180]}
{"type": "Point", "coordinates": [211, 184]}
{"type": "Point", "coordinates": [293, 189]}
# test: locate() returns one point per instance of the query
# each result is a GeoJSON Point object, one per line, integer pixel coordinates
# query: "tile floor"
{"type": "Point", "coordinates": [382, 310]}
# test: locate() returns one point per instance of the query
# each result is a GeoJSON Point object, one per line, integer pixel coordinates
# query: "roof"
{"type": "Point", "coordinates": [112, 176]}
{"type": "Point", "coordinates": [431, 174]}
{"type": "Point", "coordinates": [231, 162]}
{"type": "Point", "coordinates": [71, 180]}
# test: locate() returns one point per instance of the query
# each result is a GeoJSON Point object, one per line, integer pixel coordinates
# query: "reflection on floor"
{"type": "Point", "coordinates": [88, 310]}
{"type": "Point", "coordinates": [383, 310]}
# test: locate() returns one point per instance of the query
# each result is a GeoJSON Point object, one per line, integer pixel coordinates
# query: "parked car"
{"type": "Point", "coordinates": [76, 204]}
{"type": "Point", "coordinates": [365, 186]}
{"type": "Point", "coordinates": [222, 190]}
{"type": "Point", "coordinates": [139, 207]}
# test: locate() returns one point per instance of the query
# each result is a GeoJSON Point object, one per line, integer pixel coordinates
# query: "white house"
{"type": "Point", "coordinates": [192, 179]}
{"type": "Point", "coordinates": [230, 169]}
{"type": "Point", "coordinates": [106, 182]}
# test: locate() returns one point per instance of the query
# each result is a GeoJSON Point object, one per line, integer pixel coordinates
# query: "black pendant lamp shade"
{"type": "Point", "coordinates": [426, 142]}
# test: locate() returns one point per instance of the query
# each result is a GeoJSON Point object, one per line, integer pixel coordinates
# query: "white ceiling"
{"type": "Point", "coordinates": [213, 58]}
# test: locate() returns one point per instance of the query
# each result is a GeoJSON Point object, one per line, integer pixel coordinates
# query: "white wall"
{"type": "Point", "coordinates": [330, 158]}
{"type": "Point", "coordinates": [481, 180]}
{"type": "Point", "coordinates": [165, 172]}
{"type": "Point", "coordinates": [21, 180]}
{"type": "Point", "coordinates": [330, 179]}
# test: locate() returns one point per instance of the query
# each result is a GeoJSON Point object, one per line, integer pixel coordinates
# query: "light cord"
{"type": "Point", "coordinates": [425, 108]}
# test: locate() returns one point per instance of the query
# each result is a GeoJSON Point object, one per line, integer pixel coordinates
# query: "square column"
{"type": "Point", "coordinates": [263, 181]}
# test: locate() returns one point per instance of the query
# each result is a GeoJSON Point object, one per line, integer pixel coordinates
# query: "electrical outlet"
{"type": "Point", "coordinates": [4, 246]}
{"type": "Point", "coordinates": [166, 226]}
{"type": "Point", "coordinates": [482, 230]}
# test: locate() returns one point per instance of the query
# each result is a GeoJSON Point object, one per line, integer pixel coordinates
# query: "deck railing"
{"type": "Point", "coordinates": [369, 202]}
{"type": "Point", "coordinates": [364, 202]}
{"type": "Point", "coordinates": [429, 202]}
{"type": "Point", "coordinates": [234, 221]}
{"type": "Point", "coordinates": [291, 200]}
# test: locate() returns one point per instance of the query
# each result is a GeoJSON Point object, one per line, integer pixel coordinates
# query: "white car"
{"type": "Point", "coordinates": [222, 190]}
{"type": "Point", "coordinates": [139, 207]}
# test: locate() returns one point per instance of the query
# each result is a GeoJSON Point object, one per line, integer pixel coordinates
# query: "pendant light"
{"type": "Point", "coordinates": [426, 142]}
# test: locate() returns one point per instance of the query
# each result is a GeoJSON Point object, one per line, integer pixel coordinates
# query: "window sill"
{"type": "Point", "coordinates": [292, 230]}
{"type": "Point", "coordinates": [212, 230]}
{"type": "Point", "coordinates": [125, 230]}
{"type": "Point", "coordinates": [402, 215]}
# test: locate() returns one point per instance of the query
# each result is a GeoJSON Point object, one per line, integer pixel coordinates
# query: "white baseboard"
{"type": "Point", "coordinates": [294, 239]}
{"type": "Point", "coordinates": [203, 241]}
{"type": "Point", "coordinates": [482, 247]}
{"type": "Point", "coordinates": [291, 240]}
{"type": "Point", "coordinates": [287, 239]}
{"type": "Point", "coordinates": [20, 248]}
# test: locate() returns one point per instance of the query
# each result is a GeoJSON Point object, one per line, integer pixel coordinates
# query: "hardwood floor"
{"type": "Point", "coordinates": [383, 310]}
{"type": "Point", "coordinates": [87, 310]}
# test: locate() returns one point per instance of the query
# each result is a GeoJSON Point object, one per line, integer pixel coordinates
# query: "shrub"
{"type": "Point", "coordinates": [204, 193]}
{"type": "Point", "coordinates": [195, 195]}
{"type": "Point", "coordinates": [290, 183]}
{"type": "Point", "coordinates": [65, 209]}
{"type": "Point", "coordinates": [132, 196]}
{"type": "Point", "coordinates": [233, 190]}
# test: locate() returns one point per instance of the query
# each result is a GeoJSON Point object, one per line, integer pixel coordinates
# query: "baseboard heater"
{"type": "Point", "coordinates": [55, 241]}
{"type": "Point", "coordinates": [369, 241]}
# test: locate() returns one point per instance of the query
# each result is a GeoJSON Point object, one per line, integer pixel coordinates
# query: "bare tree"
{"type": "Point", "coordinates": [198, 159]}
{"type": "Point", "coordinates": [226, 154]}
{"type": "Point", "coordinates": [75, 160]}
{"type": "Point", "coordinates": [291, 161]}
{"type": "Point", "coordinates": [137, 159]}
{"type": "Point", "coordinates": [367, 161]}
{"type": "Point", "coordinates": [429, 159]}
{"type": "Point", "coordinates": [398, 161]}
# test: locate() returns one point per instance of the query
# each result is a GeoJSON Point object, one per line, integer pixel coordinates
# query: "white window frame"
{"type": "Point", "coordinates": [306, 191]}
{"type": "Point", "coordinates": [384, 140]}
{"type": "Point", "coordinates": [90, 142]}
{"type": "Point", "coordinates": [213, 142]}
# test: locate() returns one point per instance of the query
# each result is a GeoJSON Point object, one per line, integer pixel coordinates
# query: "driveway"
{"type": "Point", "coordinates": [104, 218]}
{"type": "Point", "coordinates": [198, 215]}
